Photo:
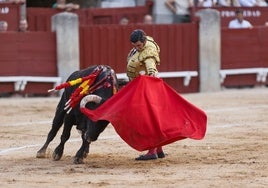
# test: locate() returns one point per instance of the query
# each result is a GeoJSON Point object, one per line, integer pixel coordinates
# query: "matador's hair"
{"type": "Point", "coordinates": [138, 35]}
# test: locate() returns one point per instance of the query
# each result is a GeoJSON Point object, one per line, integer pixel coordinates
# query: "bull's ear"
{"type": "Point", "coordinates": [90, 98]}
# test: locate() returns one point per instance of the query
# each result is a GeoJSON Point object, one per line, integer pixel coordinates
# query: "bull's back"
{"type": "Point", "coordinates": [105, 90]}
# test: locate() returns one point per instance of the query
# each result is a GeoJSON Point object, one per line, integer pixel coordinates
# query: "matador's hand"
{"type": "Point", "coordinates": [153, 74]}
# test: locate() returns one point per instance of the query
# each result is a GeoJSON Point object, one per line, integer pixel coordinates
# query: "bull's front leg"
{"type": "Point", "coordinates": [58, 152]}
{"type": "Point", "coordinates": [57, 123]}
{"type": "Point", "coordinates": [41, 153]}
{"type": "Point", "coordinates": [89, 134]}
{"type": "Point", "coordinates": [82, 152]}
{"type": "Point", "coordinates": [94, 129]}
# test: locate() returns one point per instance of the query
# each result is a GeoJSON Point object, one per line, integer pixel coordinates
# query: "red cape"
{"type": "Point", "coordinates": [148, 113]}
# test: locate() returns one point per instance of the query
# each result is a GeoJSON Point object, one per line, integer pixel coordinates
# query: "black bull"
{"type": "Point", "coordinates": [90, 130]}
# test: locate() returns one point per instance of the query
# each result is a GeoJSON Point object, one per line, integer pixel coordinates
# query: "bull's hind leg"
{"type": "Point", "coordinates": [82, 152]}
{"type": "Point", "coordinates": [57, 154]}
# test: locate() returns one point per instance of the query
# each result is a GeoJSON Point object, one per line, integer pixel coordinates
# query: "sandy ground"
{"type": "Point", "coordinates": [234, 152]}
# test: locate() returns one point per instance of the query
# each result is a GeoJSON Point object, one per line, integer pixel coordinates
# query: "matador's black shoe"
{"type": "Point", "coordinates": [161, 154]}
{"type": "Point", "coordinates": [146, 157]}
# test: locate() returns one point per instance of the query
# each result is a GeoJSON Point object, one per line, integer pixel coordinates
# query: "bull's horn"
{"type": "Point", "coordinates": [90, 98]}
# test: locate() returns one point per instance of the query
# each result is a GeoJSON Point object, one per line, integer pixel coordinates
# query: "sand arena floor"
{"type": "Point", "coordinates": [234, 152]}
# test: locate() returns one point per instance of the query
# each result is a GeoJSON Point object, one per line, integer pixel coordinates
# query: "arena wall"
{"type": "Point", "coordinates": [244, 60]}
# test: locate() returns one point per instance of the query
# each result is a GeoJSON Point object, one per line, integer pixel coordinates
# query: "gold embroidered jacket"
{"type": "Point", "coordinates": [143, 62]}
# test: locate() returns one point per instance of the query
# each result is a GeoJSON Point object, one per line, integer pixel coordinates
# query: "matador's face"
{"type": "Point", "coordinates": [138, 45]}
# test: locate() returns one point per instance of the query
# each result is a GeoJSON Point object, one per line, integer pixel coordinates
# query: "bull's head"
{"type": "Point", "coordinates": [93, 128]}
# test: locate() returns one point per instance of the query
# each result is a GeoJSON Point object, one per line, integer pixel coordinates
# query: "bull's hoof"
{"type": "Point", "coordinates": [56, 156]}
{"type": "Point", "coordinates": [78, 160]}
{"type": "Point", "coordinates": [40, 154]}
{"type": "Point", "coordinates": [85, 154]}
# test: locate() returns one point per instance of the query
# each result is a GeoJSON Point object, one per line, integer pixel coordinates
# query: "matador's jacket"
{"type": "Point", "coordinates": [143, 62]}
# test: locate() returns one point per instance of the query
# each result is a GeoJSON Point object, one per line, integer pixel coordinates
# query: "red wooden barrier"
{"type": "Point", "coordinates": [240, 45]}
{"type": "Point", "coordinates": [27, 54]}
{"type": "Point", "coordinates": [11, 13]}
{"type": "Point", "coordinates": [244, 48]}
{"type": "Point", "coordinates": [34, 53]}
